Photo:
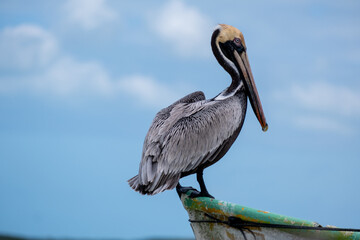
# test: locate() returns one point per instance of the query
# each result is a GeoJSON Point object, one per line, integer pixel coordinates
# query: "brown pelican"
{"type": "Point", "coordinates": [194, 133]}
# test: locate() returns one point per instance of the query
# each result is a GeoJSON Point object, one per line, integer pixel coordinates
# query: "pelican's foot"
{"type": "Point", "coordinates": [205, 194]}
{"type": "Point", "coordinates": [183, 190]}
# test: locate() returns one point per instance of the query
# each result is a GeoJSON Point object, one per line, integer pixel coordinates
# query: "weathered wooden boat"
{"type": "Point", "coordinates": [219, 220]}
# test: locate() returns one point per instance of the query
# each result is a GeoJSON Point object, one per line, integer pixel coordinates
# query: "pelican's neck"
{"type": "Point", "coordinates": [230, 91]}
{"type": "Point", "coordinates": [229, 66]}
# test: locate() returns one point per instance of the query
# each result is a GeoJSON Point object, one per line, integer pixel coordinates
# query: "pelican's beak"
{"type": "Point", "coordinates": [244, 65]}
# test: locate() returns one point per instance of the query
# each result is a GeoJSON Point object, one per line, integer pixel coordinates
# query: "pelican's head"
{"type": "Point", "coordinates": [228, 45]}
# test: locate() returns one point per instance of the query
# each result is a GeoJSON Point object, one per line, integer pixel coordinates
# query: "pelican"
{"type": "Point", "coordinates": [194, 133]}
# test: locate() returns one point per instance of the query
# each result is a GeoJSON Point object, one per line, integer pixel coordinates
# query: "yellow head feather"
{"type": "Point", "coordinates": [228, 33]}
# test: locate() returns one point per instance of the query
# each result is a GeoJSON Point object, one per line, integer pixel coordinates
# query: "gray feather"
{"type": "Point", "coordinates": [190, 133]}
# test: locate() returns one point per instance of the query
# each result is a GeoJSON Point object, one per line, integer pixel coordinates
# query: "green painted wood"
{"type": "Point", "coordinates": [196, 208]}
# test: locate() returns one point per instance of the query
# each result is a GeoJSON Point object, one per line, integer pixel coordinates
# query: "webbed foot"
{"type": "Point", "coordinates": [183, 190]}
{"type": "Point", "coordinates": [193, 194]}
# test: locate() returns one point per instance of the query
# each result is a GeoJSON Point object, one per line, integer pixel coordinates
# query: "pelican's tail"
{"type": "Point", "coordinates": [152, 188]}
{"type": "Point", "coordinates": [134, 183]}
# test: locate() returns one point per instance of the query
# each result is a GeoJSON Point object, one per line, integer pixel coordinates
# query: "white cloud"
{"type": "Point", "coordinates": [183, 27]}
{"type": "Point", "coordinates": [59, 75]}
{"type": "Point", "coordinates": [89, 14]}
{"type": "Point", "coordinates": [322, 123]}
{"type": "Point", "coordinates": [62, 78]}
{"type": "Point", "coordinates": [35, 56]}
{"type": "Point", "coordinates": [322, 106]}
{"type": "Point", "coordinates": [26, 46]}
{"type": "Point", "coordinates": [326, 97]}
{"type": "Point", "coordinates": [148, 91]}
{"type": "Point", "coordinates": [70, 77]}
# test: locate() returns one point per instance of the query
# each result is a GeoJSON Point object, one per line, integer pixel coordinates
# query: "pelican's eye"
{"type": "Point", "coordinates": [237, 41]}
{"type": "Point", "coordinates": [238, 45]}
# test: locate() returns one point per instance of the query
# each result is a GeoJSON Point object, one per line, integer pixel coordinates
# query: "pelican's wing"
{"type": "Point", "coordinates": [152, 142]}
{"type": "Point", "coordinates": [164, 114]}
{"type": "Point", "coordinates": [192, 135]}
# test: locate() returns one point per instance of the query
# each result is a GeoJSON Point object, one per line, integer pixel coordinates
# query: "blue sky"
{"type": "Point", "coordinates": [80, 82]}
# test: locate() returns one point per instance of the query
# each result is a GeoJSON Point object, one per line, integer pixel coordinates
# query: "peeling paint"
{"type": "Point", "coordinates": [197, 207]}
{"type": "Point", "coordinates": [230, 236]}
